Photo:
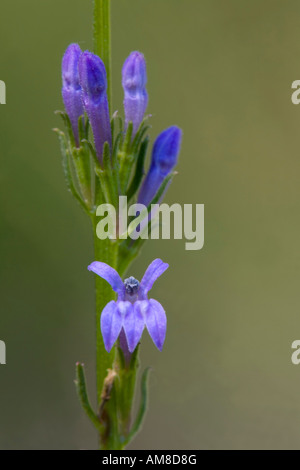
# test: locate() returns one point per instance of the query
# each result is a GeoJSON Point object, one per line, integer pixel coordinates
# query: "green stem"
{"type": "Point", "coordinates": [102, 40]}
{"type": "Point", "coordinates": [107, 252]}
{"type": "Point", "coordinates": [112, 433]}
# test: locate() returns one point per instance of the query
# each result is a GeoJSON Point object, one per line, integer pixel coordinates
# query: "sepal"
{"type": "Point", "coordinates": [107, 177]}
{"type": "Point", "coordinates": [128, 153]}
{"type": "Point", "coordinates": [66, 164]}
{"type": "Point", "coordinates": [139, 171]}
{"type": "Point", "coordinates": [67, 123]}
{"type": "Point", "coordinates": [81, 159]}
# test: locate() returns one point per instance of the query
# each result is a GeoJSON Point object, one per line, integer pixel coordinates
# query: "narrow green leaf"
{"type": "Point", "coordinates": [140, 134]}
{"type": "Point", "coordinates": [128, 136]}
{"type": "Point", "coordinates": [67, 170]}
{"type": "Point", "coordinates": [139, 171]}
{"type": "Point", "coordinates": [81, 158]}
{"type": "Point", "coordinates": [121, 124]}
{"type": "Point", "coordinates": [83, 396]}
{"type": "Point", "coordinates": [106, 157]}
{"type": "Point", "coordinates": [104, 185]}
{"type": "Point", "coordinates": [109, 175]}
{"type": "Point", "coordinates": [116, 149]}
{"type": "Point", "coordinates": [128, 154]}
{"type": "Point", "coordinates": [95, 165]}
{"type": "Point", "coordinates": [114, 161]}
{"type": "Point", "coordinates": [112, 129]}
{"type": "Point", "coordinates": [93, 152]}
{"type": "Point", "coordinates": [87, 126]}
{"type": "Point", "coordinates": [143, 407]}
{"type": "Point", "coordinates": [64, 152]}
{"type": "Point", "coordinates": [115, 117]}
{"type": "Point", "coordinates": [68, 125]}
{"type": "Point", "coordinates": [82, 128]}
{"type": "Point", "coordinates": [126, 162]}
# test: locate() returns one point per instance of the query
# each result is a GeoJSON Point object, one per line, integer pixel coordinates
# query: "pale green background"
{"type": "Point", "coordinates": [221, 70]}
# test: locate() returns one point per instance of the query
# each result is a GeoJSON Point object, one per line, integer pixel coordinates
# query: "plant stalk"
{"type": "Point", "coordinates": [102, 39]}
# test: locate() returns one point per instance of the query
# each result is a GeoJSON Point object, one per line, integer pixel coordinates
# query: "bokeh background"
{"type": "Point", "coordinates": [222, 71]}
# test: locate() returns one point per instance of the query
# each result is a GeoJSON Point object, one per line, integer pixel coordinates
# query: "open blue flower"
{"type": "Point", "coordinates": [132, 311]}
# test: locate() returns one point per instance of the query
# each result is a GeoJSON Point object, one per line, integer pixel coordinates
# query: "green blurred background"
{"type": "Point", "coordinates": [222, 71]}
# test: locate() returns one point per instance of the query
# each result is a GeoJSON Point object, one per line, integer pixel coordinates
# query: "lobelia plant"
{"type": "Point", "coordinates": [103, 158]}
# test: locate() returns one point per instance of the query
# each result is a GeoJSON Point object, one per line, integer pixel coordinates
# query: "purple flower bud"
{"type": "Point", "coordinates": [134, 79]}
{"type": "Point", "coordinates": [93, 82]}
{"type": "Point", "coordinates": [164, 159]}
{"type": "Point", "coordinates": [71, 89]}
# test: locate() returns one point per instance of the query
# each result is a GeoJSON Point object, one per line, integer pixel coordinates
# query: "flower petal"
{"type": "Point", "coordinates": [156, 323]}
{"type": "Point", "coordinates": [124, 307]}
{"type": "Point", "coordinates": [134, 323]}
{"type": "Point", "coordinates": [111, 324]}
{"type": "Point", "coordinates": [109, 274]}
{"type": "Point", "coordinates": [154, 270]}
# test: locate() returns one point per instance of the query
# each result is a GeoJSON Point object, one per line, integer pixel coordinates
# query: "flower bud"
{"type": "Point", "coordinates": [134, 79]}
{"type": "Point", "coordinates": [71, 89]}
{"type": "Point", "coordinates": [92, 75]}
{"type": "Point", "coordinates": [164, 159]}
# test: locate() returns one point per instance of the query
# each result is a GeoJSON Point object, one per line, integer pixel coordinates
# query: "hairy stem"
{"type": "Point", "coordinates": [105, 250]}
{"type": "Point", "coordinates": [107, 367]}
{"type": "Point", "coordinates": [102, 40]}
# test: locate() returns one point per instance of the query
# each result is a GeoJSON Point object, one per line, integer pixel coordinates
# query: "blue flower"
{"type": "Point", "coordinates": [71, 89]}
{"type": "Point", "coordinates": [134, 79]}
{"type": "Point", "coordinates": [93, 82]}
{"type": "Point", "coordinates": [133, 310]}
{"type": "Point", "coordinates": [164, 158]}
